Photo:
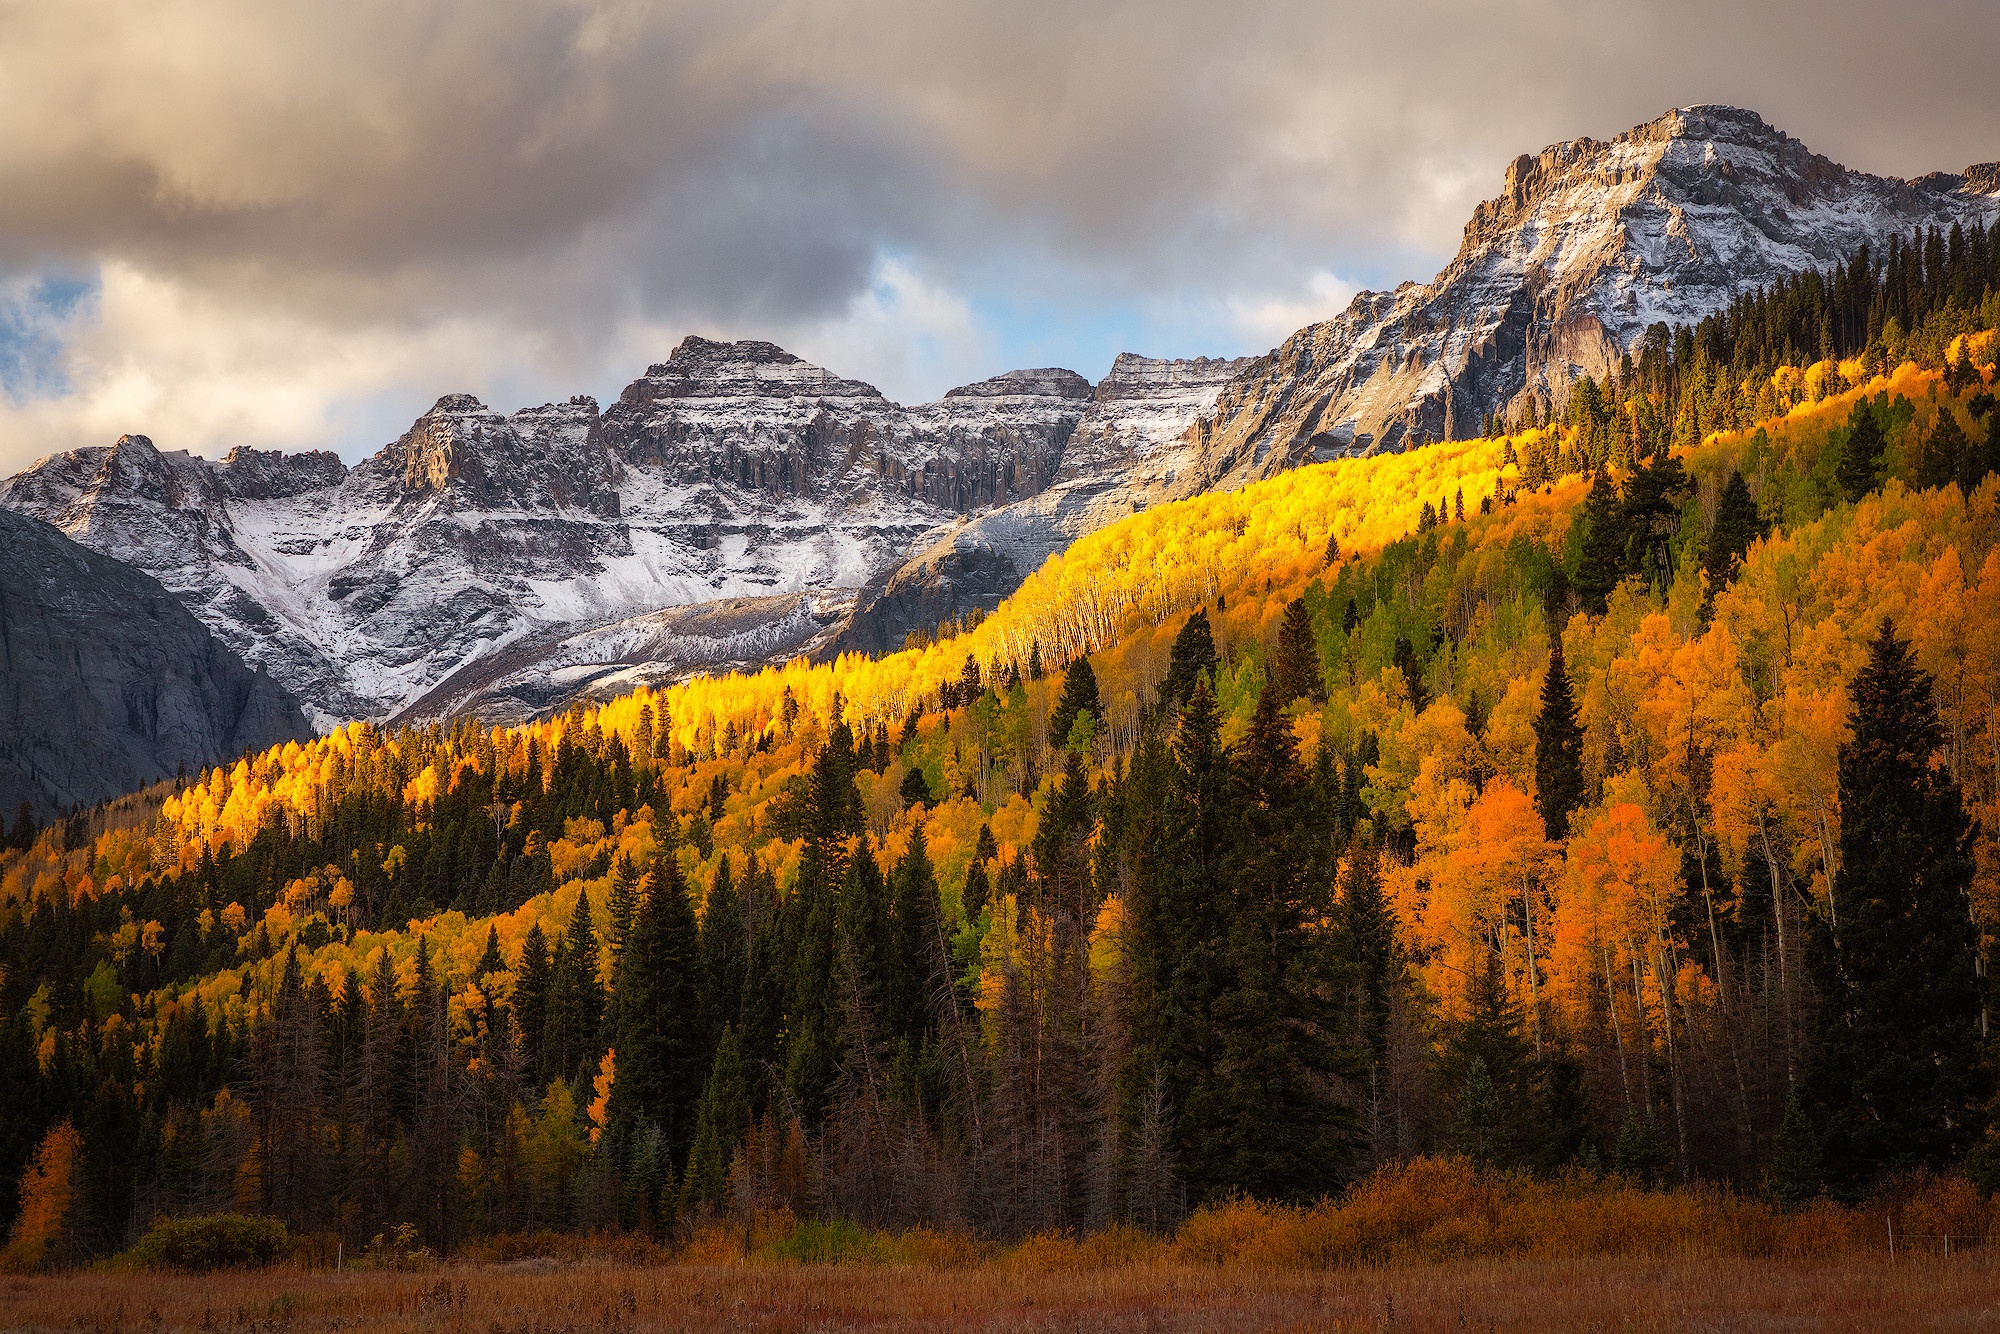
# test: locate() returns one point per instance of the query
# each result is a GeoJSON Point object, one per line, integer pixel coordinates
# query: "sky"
{"type": "Point", "coordinates": [293, 224]}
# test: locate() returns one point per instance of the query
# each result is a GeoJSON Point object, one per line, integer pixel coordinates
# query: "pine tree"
{"type": "Point", "coordinates": [908, 972]}
{"type": "Point", "coordinates": [1412, 668]}
{"type": "Point", "coordinates": [1737, 525]}
{"type": "Point", "coordinates": [1193, 655]}
{"type": "Point", "coordinates": [490, 960]}
{"type": "Point", "coordinates": [1601, 564]}
{"type": "Point", "coordinates": [1079, 696]}
{"type": "Point", "coordinates": [576, 998]}
{"type": "Point", "coordinates": [1281, 1135]}
{"type": "Point", "coordinates": [532, 979]}
{"type": "Point", "coordinates": [1350, 618]}
{"type": "Point", "coordinates": [1295, 669]}
{"type": "Point", "coordinates": [1558, 749]}
{"type": "Point", "coordinates": [1861, 456]}
{"type": "Point", "coordinates": [719, 1124]}
{"type": "Point", "coordinates": [657, 1010]}
{"type": "Point", "coordinates": [725, 953]}
{"type": "Point", "coordinates": [1896, 1080]}
{"type": "Point", "coordinates": [1179, 926]}
{"type": "Point", "coordinates": [622, 901]}
{"type": "Point", "coordinates": [1943, 453]}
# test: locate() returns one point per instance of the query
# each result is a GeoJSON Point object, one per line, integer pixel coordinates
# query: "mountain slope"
{"type": "Point", "coordinates": [728, 471]}
{"type": "Point", "coordinates": [107, 683]}
{"type": "Point", "coordinates": [1588, 245]}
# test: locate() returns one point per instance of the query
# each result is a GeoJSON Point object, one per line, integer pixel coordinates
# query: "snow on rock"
{"type": "Point", "coordinates": [731, 471]}
{"type": "Point", "coordinates": [1560, 275]}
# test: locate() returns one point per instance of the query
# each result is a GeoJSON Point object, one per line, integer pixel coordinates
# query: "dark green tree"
{"type": "Point", "coordinates": [1896, 1080]}
{"type": "Point", "coordinates": [576, 1000]}
{"type": "Point", "coordinates": [658, 1010]}
{"type": "Point", "coordinates": [719, 1125]}
{"type": "Point", "coordinates": [1295, 669]}
{"type": "Point", "coordinates": [1602, 562]}
{"type": "Point", "coordinates": [1558, 748]}
{"type": "Point", "coordinates": [1193, 655]}
{"type": "Point", "coordinates": [1737, 525]}
{"type": "Point", "coordinates": [1860, 462]}
{"type": "Point", "coordinates": [725, 952]}
{"type": "Point", "coordinates": [1943, 452]}
{"type": "Point", "coordinates": [1079, 696]}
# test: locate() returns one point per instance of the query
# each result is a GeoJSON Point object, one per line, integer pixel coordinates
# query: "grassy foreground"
{"type": "Point", "coordinates": [1924, 1292]}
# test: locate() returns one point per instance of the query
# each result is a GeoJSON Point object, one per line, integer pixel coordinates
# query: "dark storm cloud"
{"type": "Point", "coordinates": [566, 169]}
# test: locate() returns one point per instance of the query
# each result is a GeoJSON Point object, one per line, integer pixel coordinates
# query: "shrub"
{"type": "Point", "coordinates": [217, 1241]}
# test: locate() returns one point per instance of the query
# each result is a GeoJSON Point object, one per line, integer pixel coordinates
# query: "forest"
{"type": "Point", "coordinates": [1606, 798]}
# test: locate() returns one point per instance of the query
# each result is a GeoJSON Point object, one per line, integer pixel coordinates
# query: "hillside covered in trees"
{"type": "Point", "coordinates": [1609, 794]}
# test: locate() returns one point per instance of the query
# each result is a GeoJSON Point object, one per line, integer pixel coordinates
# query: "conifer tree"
{"type": "Point", "coordinates": [1861, 456]}
{"type": "Point", "coordinates": [725, 947]}
{"type": "Point", "coordinates": [1193, 655]}
{"type": "Point", "coordinates": [719, 1124]}
{"type": "Point", "coordinates": [1558, 748]}
{"type": "Point", "coordinates": [576, 998]}
{"type": "Point", "coordinates": [1943, 453]}
{"type": "Point", "coordinates": [912, 944]}
{"type": "Point", "coordinates": [532, 977]}
{"type": "Point", "coordinates": [1350, 618]}
{"type": "Point", "coordinates": [1896, 1080]}
{"type": "Point", "coordinates": [1179, 926]}
{"type": "Point", "coordinates": [1601, 564]}
{"type": "Point", "coordinates": [1737, 525]}
{"type": "Point", "coordinates": [490, 960]}
{"type": "Point", "coordinates": [1295, 669]}
{"type": "Point", "coordinates": [1079, 696]}
{"type": "Point", "coordinates": [1281, 1136]}
{"type": "Point", "coordinates": [657, 1006]}
{"type": "Point", "coordinates": [622, 901]}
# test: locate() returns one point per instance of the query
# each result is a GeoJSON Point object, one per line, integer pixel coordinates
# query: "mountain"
{"type": "Point", "coordinates": [107, 683]}
{"type": "Point", "coordinates": [498, 562]}
{"type": "Point", "coordinates": [1588, 244]}
{"type": "Point", "coordinates": [729, 471]}
{"type": "Point", "coordinates": [1137, 445]}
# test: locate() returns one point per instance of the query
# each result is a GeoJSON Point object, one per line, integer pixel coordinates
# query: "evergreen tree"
{"type": "Point", "coordinates": [657, 1004]}
{"type": "Point", "coordinates": [576, 998]}
{"type": "Point", "coordinates": [1558, 748]}
{"type": "Point", "coordinates": [725, 953]}
{"type": "Point", "coordinates": [1179, 926]}
{"type": "Point", "coordinates": [1601, 564]}
{"type": "Point", "coordinates": [623, 900]}
{"type": "Point", "coordinates": [1280, 1135]}
{"type": "Point", "coordinates": [719, 1125]}
{"type": "Point", "coordinates": [1193, 655]}
{"type": "Point", "coordinates": [1412, 668]}
{"type": "Point", "coordinates": [1295, 667]}
{"type": "Point", "coordinates": [1861, 456]}
{"type": "Point", "coordinates": [533, 977]}
{"type": "Point", "coordinates": [1350, 618]}
{"type": "Point", "coordinates": [489, 960]}
{"type": "Point", "coordinates": [1737, 525]}
{"type": "Point", "coordinates": [916, 789]}
{"type": "Point", "coordinates": [1079, 696]}
{"type": "Point", "coordinates": [1487, 1061]}
{"type": "Point", "coordinates": [1896, 1080]}
{"type": "Point", "coordinates": [1943, 453]}
{"type": "Point", "coordinates": [913, 938]}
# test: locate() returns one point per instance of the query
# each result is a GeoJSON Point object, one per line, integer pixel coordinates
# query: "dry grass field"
{"type": "Point", "coordinates": [1865, 1293]}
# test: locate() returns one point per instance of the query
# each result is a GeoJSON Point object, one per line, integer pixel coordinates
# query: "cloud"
{"type": "Point", "coordinates": [311, 219]}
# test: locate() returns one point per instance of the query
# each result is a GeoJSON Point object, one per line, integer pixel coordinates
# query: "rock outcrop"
{"type": "Point", "coordinates": [108, 683]}
{"type": "Point", "coordinates": [1560, 275]}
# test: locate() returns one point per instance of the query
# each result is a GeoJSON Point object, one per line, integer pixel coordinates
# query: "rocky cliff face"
{"type": "Point", "coordinates": [738, 473]}
{"type": "Point", "coordinates": [107, 683]}
{"type": "Point", "coordinates": [729, 471]}
{"type": "Point", "coordinates": [1587, 244]}
{"type": "Point", "coordinates": [1137, 444]}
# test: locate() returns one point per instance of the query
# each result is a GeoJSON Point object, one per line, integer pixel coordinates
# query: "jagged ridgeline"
{"type": "Point", "coordinates": [1256, 840]}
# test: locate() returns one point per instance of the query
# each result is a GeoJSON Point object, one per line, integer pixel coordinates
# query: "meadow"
{"type": "Point", "coordinates": [1840, 1293]}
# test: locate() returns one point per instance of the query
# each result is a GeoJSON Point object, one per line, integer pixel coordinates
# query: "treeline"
{"type": "Point", "coordinates": [1609, 829]}
{"type": "Point", "coordinates": [1748, 362]}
